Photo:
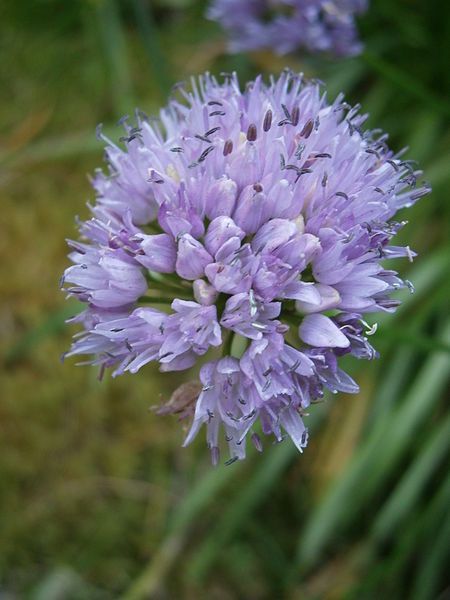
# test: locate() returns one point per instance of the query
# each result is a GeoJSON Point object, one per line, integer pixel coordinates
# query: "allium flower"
{"type": "Point", "coordinates": [247, 228]}
{"type": "Point", "coordinates": [288, 25]}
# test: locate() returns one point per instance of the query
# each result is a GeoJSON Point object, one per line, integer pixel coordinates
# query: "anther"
{"type": "Point", "coordinates": [307, 129]}
{"type": "Point", "coordinates": [304, 438]}
{"type": "Point", "coordinates": [267, 121]}
{"type": "Point", "coordinates": [342, 195]}
{"type": "Point", "coordinates": [205, 153]}
{"type": "Point", "coordinates": [227, 148]}
{"type": "Point", "coordinates": [211, 131]}
{"type": "Point", "coordinates": [287, 114]}
{"type": "Point", "coordinates": [251, 133]}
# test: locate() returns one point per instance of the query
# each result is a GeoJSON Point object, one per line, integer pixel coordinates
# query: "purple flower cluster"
{"type": "Point", "coordinates": [288, 25]}
{"type": "Point", "coordinates": [247, 227]}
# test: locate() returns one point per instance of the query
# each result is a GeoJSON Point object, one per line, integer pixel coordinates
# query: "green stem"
{"type": "Point", "coordinates": [175, 280]}
{"type": "Point", "coordinates": [154, 227]}
{"type": "Point", "coordinates": [227, 345]}
{"type": "Point", "coordinates": [292, 318]}
{"type": "Point", "coordinates": [158, 300]}
{"type": "Point", "coordinates": [164, 285]}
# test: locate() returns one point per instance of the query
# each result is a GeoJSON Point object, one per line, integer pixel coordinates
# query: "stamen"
{"type": "Point", "coordinates": [205, 153]}
{"type": "Point", "coordinates": [227, 148]}
{"type": "Point", "coordinates": [307, 129]}
{"type": "Point", "coordinates": [267, 121]}
{"type": "Point", "coordinates": [257, 442]}
{"type": "Point", "coordinates": [252, 133]}
{"type": "Point", "coordinates": [215, 456]}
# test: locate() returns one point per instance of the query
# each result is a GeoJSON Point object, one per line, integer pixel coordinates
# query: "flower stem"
{"type": "Point", "coordinates": [156, 300]}
{"type": "Point", "coordinates": [291, 318]}
{"type": "Point", "coordinates": [227, 345]}
{"type": "Point", "coordinates": [163, 284]}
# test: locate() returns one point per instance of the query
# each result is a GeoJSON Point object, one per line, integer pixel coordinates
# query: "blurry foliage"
{"type": "Point", "coordinates": [97, 498]}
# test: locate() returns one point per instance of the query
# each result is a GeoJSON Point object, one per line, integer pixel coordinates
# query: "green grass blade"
{"type": "Point", "coordinates": [376, 458]}
{"type": "Point", "coordinates": [424, 137]}
{"type": "Point", "coordinates": [408, 490]}
{"type": "Point", "coordinates": [426, 584]}
{"type": "Point", "coordinates": [395, 375]}
{"type": "Point", "coordinates": [415, 339]}
{"type": "Point", "coordinates": [438, 172]}
{"type": "Point", "coordinates": [409, 540]}
{"type": "Point", "coordinates": [50, 327]}
{"type": "Point", "coordinates": [405, 82]}
{"type": "Point", "coordinates": [115, 51]}
{"type": "Point", "coordinates": [425, 275]}
{"type": "Point", "coordinates": [198, 499]}
{"type": "Point", "coordinates": [150, 40]}
{"type": "Point", "coordinates": [250, 496]}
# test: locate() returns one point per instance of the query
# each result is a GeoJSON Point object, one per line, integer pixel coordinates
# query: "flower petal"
{"type": "Point", "coordinates": [320, 331]}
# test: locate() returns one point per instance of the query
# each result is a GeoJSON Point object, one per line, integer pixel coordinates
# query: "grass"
{"type": "Point", "coordinates": [98, 499]}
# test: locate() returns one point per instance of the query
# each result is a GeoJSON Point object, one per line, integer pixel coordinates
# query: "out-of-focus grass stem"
{"type": "Point", "coordinates": [412, 484]}
{"type": "Point", "coordinates": [203, 493]}
{"type": "Point", "coordinates": [402, 80]}
{"type": "Point", "coordinates": [51, 326]}
{"type": "Point", "coordinates": [415, 340]}
{"type": "Point", "coordinates": [150, 40]}
{"type": "Point", "coordinates": [244, 504]}
{"type": "Point", "coordinates": [114, 47]}
{"type": "Point", "coordinates": [379, 455]}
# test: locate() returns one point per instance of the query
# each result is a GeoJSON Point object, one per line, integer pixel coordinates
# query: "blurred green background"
{"type": "Point", "coordinates": [97, 498]}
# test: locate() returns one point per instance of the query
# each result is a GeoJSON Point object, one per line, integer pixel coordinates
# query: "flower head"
{"type": "Point", "coordinates": [288, 25]}
{"type": "Point", "coordinates": [248, 228]}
